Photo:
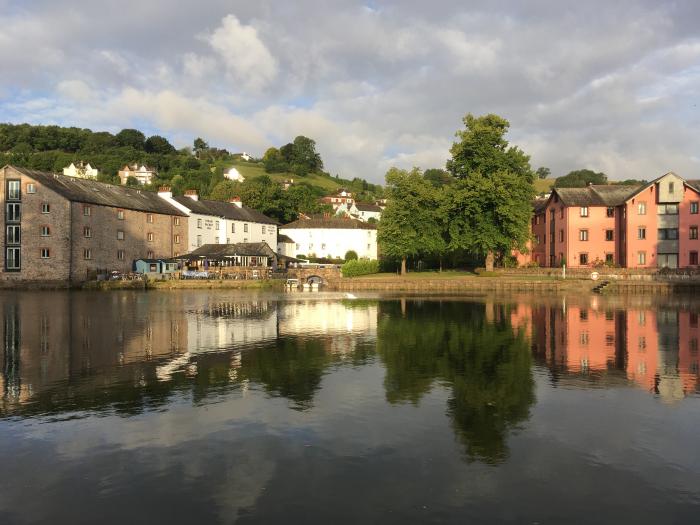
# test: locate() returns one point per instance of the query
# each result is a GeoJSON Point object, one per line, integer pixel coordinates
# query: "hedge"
{"type": "Point", "coordinates": [359, 267]}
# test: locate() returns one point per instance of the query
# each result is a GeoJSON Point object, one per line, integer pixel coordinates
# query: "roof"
{"type": "Point", "coordinates": [695, 184]}
{"type": "Point", "coordinates": [224, 209]}
{"type": "Point", "coordinates": [539, 205]}
{"type": "Point", "coordinates": [284, 238]}
{"type": "Point", "coordinates": [596, 195]}
{"type": "Point", "coordinates": [219, 251]}
{"type": "Point", "coordinates": [334, 223]}
{"type": "Point", "coordinates": [92, 192]}
{"type": "Point", "coordinates": [363, 206]}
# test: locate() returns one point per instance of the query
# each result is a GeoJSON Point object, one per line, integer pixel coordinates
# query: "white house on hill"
{"type": "Point", "coordinates": [362, 211]}
{"type": "Point", "coordinates": [234, 175]}
{"type": "Point", "coordinates": [81, 170]}
{"type": "Point", "coordinates": [332, 237]}
{"type": "Point", "coordinates": [143, 174]}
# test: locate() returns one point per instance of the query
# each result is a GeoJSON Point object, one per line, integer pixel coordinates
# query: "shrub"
{"type": "Point", "coordinates": [351, 255]}
{"type": "Point", "coordinates": [359, 267]}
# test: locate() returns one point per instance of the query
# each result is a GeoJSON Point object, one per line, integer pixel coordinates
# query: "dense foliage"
{"type": "Point", "coordinates": [357, 267]}
{"type": "Point", "coordinates": [580, 179]}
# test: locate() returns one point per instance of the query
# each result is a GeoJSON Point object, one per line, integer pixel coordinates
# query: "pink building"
{"type": "Point", "coordinates": [650, 226]}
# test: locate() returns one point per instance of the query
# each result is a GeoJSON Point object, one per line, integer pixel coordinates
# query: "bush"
{"type": "Point", "coordinates": [359, 267]}
{"type": "Point", "coordinates": [351, 255]}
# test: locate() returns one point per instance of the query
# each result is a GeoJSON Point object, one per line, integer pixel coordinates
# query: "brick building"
{"type": "Point", "coordinates": [65, 229]}
{"type": "Point", "coordinates": [650, 226]}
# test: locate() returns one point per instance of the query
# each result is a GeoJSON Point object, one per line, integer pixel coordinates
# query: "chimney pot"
{"type": "Point", "coordinates": [237, 201]}
{"type": "Point", "coordinates": [192, 194]}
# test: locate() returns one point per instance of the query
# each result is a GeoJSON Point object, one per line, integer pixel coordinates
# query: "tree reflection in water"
{"type": "Point", "coordinates": [483, 359]}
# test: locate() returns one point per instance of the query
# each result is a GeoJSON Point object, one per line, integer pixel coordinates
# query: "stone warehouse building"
{"type": "Point", "coordinates": [65, 229]}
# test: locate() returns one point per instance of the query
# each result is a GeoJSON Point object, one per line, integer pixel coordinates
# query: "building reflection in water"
{"type": "Point", "coordinates": [654, 348]}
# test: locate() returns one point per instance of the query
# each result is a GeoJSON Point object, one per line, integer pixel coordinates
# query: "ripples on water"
{"type": "Point", "coordinates": [225, 407]}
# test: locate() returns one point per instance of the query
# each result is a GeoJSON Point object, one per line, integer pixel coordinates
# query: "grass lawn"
{"type": "Point", "coordinates": [253, 170]}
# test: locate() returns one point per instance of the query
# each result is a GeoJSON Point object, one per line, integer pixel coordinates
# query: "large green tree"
{"type": "Point", "coordinates": [488, 209]}
{"type": "Point", "coordinates": [410, 225]}
{"type": "Point", "coordinates": [131, 138]}
{"type": "Point", "coordinates": [580, 179]}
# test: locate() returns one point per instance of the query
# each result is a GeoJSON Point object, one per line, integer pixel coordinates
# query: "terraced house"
{"type": "Point", "coordinates": [67, 229]}
{"type": "Point", "coordinates": [650, 226]}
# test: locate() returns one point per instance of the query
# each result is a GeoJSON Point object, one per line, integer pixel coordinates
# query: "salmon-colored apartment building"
{"type": "Point", "coordinates": [650, 226]}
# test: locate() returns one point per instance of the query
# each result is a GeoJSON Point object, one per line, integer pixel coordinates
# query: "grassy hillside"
{"type": "Point", "coordinates": [255, 169]}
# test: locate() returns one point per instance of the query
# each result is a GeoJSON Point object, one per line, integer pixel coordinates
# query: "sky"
{"type": "Point", "coordinates": [610, 86]}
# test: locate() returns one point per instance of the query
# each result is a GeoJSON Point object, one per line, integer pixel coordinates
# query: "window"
{"type": "Point", "coordinates": [693, 259]}
{"type": "Point", "coordinates": [263, 229]}
{"type": "Point", "coordinates": [583, 259]}
{"type": "Point", "coordinates": [561, 213]}
{"type": "Point", "coordinates": [87, 254]}
{"type": "Point", "coordinates": [87, 210]}
{"type": "Point", "coordinates": [561, 235]}
{"type": "Point", "coordinates": [245, 239]}
{"type": "Point", "coordinates": [199, 223]}
{"type": "Point", "coordinates": [217, 225]}
{"type": "Point", "coordinates": [641, 257]}
{"type": "Point", "coordinates": [694, 207]}
{"type": "Point", "coordinates": [149, 254]}
{"type": "Point", "coordinates": [641, 233]}
{"type": "Point", "coordinates": [120, 235]}
{"type": "Point", "coordinates": [609, 235]}
{"type": "Point", "coordinates": [45, 253]}
{"type": "Point", "coordinates": [199, 240]}
{"type": "Point", "coordinates": [87, 231]}
{"type": "Point", "coordinates": [45, 231]}
{"type": "Point", "coordinates": [120, 255]}
{"type": "Point", "coordinates": [177, 238]}
{"type": "Point", "coordinates": [13, 190]}
{"type": "Point", "coordinates": [13, 235]}
{"type": "Point", "coordinates": [12, 259]}
{"type": "Point", "coordinates": [323, 246]}
{"type": "Point", "coordinates": [233, 227]}
{"type": "Point", "coordinates": [149, 218]}
{"type": "Point", "coordinates": [583, 314]}
{"type": "Point", "coordinates": [583, 235]}
{"type": "Point", "coordinates": [120, 215]}
{"type": "Point", "coordinates": [31, 187]}
{"type": "Point", "coordinates": [693, 232]}
{"type": "Point", "coordinates": [641, 208]}
{"type": "Point", "coordinates": [245, 228]}
{"type": "Point", "coordinates": [609, 258]}
{"type": "Point", "coordinates": [176, 221]}
{"type": "Point", "coordinates": [14, 212]}
{"type": "Point", "coordinates": [668, 209]}
{"type": "Point", "coordinates": [45, 207]}
{"type": "Point", "coordinates": [149, 236]}
{"type": "Point", "coordinates": [584, 211]}
{"type": "Point", "coordinates": [671, 187]}
{"type": "Point", "coordinates": [668, 234]}
{"type": "Point", "coordinates": [610, 212]}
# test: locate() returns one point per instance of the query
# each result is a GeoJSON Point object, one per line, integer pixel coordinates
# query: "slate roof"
{"type": "Point", "coordinates": [335, 223]}
{"type": "Point", "coordinates": [596, 195]}
{"type": "Point", "coordinates": [695, 184]}
{"type": "Point", "coordinates": [92, 192]}
{"type": "Point", "coordinates": [225, 209]}
{"type": "Point", "coordinates": [539, 205]}
{"type": "Point", "coordinates": [363, 206]}
{"type": "Point", "coordinates": [220, 251]}
{"type": "Point", "coordinates": [284, 238]}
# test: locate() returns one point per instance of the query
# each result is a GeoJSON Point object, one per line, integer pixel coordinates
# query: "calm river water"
{"type": "Point", "coordinates": [223, 407]}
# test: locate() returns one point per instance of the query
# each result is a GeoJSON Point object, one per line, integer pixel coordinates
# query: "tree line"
{"type": "Point", "coordinates": [480, 205]}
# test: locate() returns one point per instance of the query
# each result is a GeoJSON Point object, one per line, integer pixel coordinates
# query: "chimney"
{"type": "Point", "coordinates": [192, 194]}
{"type": "Point", "coordinates": [237, 201]}
{"type": "Point", "coordinates": [165, 192]}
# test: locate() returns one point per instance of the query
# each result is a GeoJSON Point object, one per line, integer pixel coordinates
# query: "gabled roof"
{"type": "Point", "coordinates": [226, 210]}
{"type": "Point", "coordinates": [92, 192]}
{"type": "Point", "coordinates": [334, 223]}
{"type": "Point", "coordinates": [284, 238]}
{"type": "Point", "coordinates": [596, 195]}
{"type": "Point", "coordinates": [363, 206]}
{"type": "Point", "coordinates": [221, 251]}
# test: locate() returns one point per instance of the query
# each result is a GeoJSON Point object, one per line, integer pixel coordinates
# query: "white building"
{"type": "Point", "coordinates": [332, 237]}
{"type": "Point", "coordinates": [362, 211]}
{"type": "Point", "coordinates": [285, 245]}
{"type": "Point", "coordinates": [245, 156]}
{"type": "Point", "coordinates": [82, 171]}
{"type": "Point", "coordinates": [341, 199]}
{"type": "Point", "coordinates": [216, 222]}
{"type": "Point", "coordinates": [143, 174]}
{"type": "Point", "coordinates": [234, 175]}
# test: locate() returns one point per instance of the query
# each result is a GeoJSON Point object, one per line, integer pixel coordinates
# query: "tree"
{"type": "Point", "coordinates": [580, 179]}
{"type": "Point", "coordinates": [132, 182]}
{"type": "Point", "coordinates": [409, 224]}
{"type": "Point", "coordinates": [437, 177]}
{"type": "Point", "coordinates": [225, 190]}
{"type": "Point", "coordinates": [199, 146]}
{"type": "Point", "coordinates": [158, 144]}
{"type": "Point", "coordinates": [131, 138]}
{"type": "Point", "coordinates": [543, 173]}
{"type": "Point", "coordinates": [99, 142]}
{"type": "Point", "coordinates": [488, 210]}
{"type": "Point", "coordinates": [304, 157]}
{"type": "Point", "coordinates": [351, 255]}
{"type": "Point", "coordinates": [274, 162]}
